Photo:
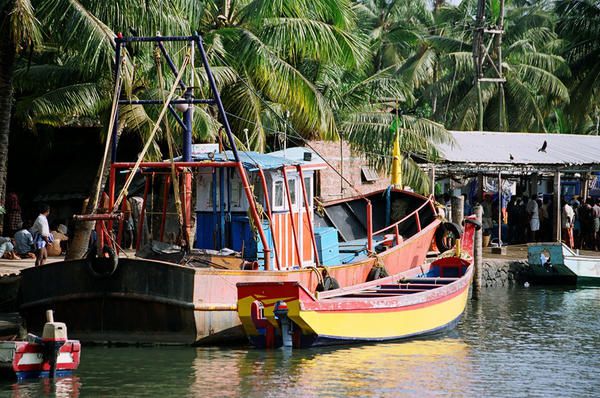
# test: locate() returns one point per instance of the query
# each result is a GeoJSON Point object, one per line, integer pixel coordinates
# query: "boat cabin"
{"type": "Point", "coordinates": [284, 192]}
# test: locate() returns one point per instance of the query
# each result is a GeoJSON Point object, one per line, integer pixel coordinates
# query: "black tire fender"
{"type": "Point", "coordinates": [443, 231]}
{"type": "Point", "coordinates": [329, 283]}
{"type": "Point", "coordinates": [377, 272]}
{"type": "Point", "coordinates": [105, 265]}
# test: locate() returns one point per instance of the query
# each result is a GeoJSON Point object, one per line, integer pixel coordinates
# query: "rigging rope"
{"type": "Point", "coordinates": [109, 137]}
{"type": "Point", "coordinates": [174, 175]}
{"type": "Point", "coordinates": [123, 192]}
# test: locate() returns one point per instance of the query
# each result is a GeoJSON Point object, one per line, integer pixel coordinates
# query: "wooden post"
{"type": "Point", "coordinates": [477, 255]}
{"type": "Point", "coordinates": [458, 207]}
{"type": "Point", "coordinates": [557, 208]}
{"type": "Point", "coordinates": [432, 177]}
{"type": "Point", "coordinates": [499, 209]}
{"type": "Point", "coordinates": [480, 187]}
{"type": "Point", "coordinates": [583, 194]}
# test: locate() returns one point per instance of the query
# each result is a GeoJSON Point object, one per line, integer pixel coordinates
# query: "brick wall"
{"type": "Point", "coordinates": [330, 181]}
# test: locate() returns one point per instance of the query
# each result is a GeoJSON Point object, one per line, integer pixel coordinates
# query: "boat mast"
{"type": "Point", "coordinates": [188, 99]}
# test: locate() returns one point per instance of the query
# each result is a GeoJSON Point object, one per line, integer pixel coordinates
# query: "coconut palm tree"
{"type": "Point", "coordinates": [579, 24]}
{"type": "Point", "coordinates": [399, 65]}
{"type": "Point", "coordinates": [533, 69]}
{"type": "Point", "coordinates": [19, 30]}
{"type": "Point", "coordinates": [255, 45]}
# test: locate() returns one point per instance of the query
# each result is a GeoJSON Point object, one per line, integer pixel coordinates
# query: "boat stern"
{"type": "Point", "coordinates": [270, 313]}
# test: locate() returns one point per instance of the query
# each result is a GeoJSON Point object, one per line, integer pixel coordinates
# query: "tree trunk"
{"type": "Point", "coordinates": [7, 59]}
{"type": "Point", "coordinates": [78, 246]}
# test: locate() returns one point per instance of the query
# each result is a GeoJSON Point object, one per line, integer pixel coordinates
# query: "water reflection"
{"type": "Point", "coordinates": [515, 342]}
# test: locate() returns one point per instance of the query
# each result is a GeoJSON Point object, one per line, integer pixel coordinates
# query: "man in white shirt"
{"type": "Point", "coordinates": [568, 217]}
{"type": "Point", "coordinates": [41, 235]}
{"type": "Point", "coordinates": [534, 217]}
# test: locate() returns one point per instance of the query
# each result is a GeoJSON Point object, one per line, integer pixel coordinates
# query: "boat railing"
{"type": "Point", "coordinates": [395, 226]}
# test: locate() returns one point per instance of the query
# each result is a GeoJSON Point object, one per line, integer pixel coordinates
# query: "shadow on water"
{"type": "Point", "coordinates": [512, 342]}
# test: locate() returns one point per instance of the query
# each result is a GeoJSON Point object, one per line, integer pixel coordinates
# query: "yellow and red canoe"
{"type": "Point", "coordinates": [418, 302]}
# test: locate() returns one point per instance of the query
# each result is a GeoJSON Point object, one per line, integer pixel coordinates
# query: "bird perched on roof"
{"type": "Point", "coordinates": [544, 146]}
{"type": "Point", "coordinates": [511, 156]}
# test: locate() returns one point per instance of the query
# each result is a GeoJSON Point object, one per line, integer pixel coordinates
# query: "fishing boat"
{"type": "Point", "coordinates": [417, 302]}
{"type": "Point", "coordinates": [555, 262]}
{"type": "Point", "coordinates": [52, 355]}
{"type": "Point", "coordinates": [257, 218]}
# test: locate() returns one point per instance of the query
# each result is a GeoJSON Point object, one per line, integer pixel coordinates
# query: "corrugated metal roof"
{"type": "Point", "coordinates": [521, 148]}
{"type": "Point", "coordinates": [250, 160]}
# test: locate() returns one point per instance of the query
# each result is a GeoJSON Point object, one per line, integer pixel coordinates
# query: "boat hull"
{"type": "Point", "coordinates": [349, 320]}
{"type": "Point", "coordinates": [556, 263]}
{"type": "Point", "coordinates": [148, 301]}
{"type": "Point", "coordinates": [22, 359]}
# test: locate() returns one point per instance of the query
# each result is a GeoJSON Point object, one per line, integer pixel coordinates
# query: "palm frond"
{"type": "Point", "coordinates": [300, 38]}
{"type": "Point", "coordinates": [25, 29]}
{"type": "Point", "coordinates": [65, 103]}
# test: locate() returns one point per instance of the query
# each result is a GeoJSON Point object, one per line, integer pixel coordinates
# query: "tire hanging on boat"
{"type": "Point", "coordinates": [446, 235]}
{"type": "Point", "coordinates": [104, 265]}
{"type": "Point", "coordinates": [329, 283]}
{"type": "Point", "coordinates": [377, 272]}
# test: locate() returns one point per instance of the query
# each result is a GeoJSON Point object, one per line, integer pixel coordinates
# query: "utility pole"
{"type": "Point", "coordinates": [483, 61]}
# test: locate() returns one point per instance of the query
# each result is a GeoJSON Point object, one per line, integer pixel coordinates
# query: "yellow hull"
{"type": "Point", "coordinates": [384, 325]}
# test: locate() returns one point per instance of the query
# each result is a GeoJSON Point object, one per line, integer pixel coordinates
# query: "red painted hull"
{"type": "Point", "coordinates": [23, 359]}
{"type": "Point", "coordinates": [146, 301]}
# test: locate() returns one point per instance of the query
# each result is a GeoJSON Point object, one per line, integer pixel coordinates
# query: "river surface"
{"type": "Point", "coordinates": [534, 342]}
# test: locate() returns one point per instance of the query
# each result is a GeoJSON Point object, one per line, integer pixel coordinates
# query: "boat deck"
{"type": "Point", "coordinates": [406, 286]}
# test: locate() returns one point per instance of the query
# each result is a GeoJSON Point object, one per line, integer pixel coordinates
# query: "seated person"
{"type": "Point", "coordinates": [55, 248]}
{"type": "Point", "coordinates": [24, 241]}
{"type": "Point", "coordinates": [7, 249]}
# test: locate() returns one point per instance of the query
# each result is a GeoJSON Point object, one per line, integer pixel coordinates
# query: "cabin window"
{"type": "Point", "coordinates": [308, 187]}
{"type": "Point", "coordinates": [236, 193]}
{"type": "Point", "coordinates": [258, 193]}
{"type": "Point", "coordinates": [278, 197]}
{"type": "Point", "coordinates": [292, 184]}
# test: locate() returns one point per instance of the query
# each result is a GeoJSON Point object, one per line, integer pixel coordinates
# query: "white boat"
{"type": "Point", "coordinates": [556, 261]}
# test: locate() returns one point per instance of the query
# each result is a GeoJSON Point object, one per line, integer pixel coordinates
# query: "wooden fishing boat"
{"type": "Point", "coordinates": [417, 302]}
{"type": "Point", "coordinates": [256, 219]}
{"type": "Point", "coordinates": [555, 262]}
{"type": "Point", "coordinates": [51, 355]}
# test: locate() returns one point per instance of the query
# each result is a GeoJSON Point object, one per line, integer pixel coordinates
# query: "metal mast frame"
{"type": "Point", "coordinates": [483, 59]}
{"type": "Point", "coordinates": [194, 41]}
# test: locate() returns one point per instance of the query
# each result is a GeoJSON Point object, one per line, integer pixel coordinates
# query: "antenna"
{"type": "Point", "coordinates": [483, 59]}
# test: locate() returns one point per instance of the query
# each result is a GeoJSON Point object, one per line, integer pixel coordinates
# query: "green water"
{"type": "Point", "coordinates": [514, 342]}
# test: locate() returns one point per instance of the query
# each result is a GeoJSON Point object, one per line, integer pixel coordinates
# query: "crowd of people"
{"type": "Point", "coordinates": [26, 239]}
{"type": "Point", "coordinates": [531, 218]}
{"type": "Point", "coordinates": [581, 223]}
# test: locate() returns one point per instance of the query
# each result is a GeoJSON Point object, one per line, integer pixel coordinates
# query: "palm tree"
{"type": "Point", "coordinates": [255, 45]}
{"type": "Point", "coordinates": [532, 67]}
{"type": "Point", "coordinates": [579, 24]}
{"type": "Point", "coordinates": [399, 65]}
{"type": "Point", "coordinates": [19, 30]}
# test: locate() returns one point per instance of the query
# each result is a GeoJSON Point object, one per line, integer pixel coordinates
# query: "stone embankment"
{"type": "Point", "coordinates": [503, 272]}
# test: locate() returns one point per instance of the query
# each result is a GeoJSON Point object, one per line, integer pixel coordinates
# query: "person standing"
{"type": "Point", "coordinates": [567, 220]}
{"type": "Point", "coordinates": [534, 218]}
{"type": "Point", "coordinates": [487, 218]}
{"type": "Point", "coordinates": [586, 220]}
{"type": "Point", "coordinates": [596, 224]}
{"type": "Point", "coordinates": [41, 235]}
{"type": "Point", "coordinates": [14, 219]}
{"type": "Point", "coordinates": [512, 219]}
